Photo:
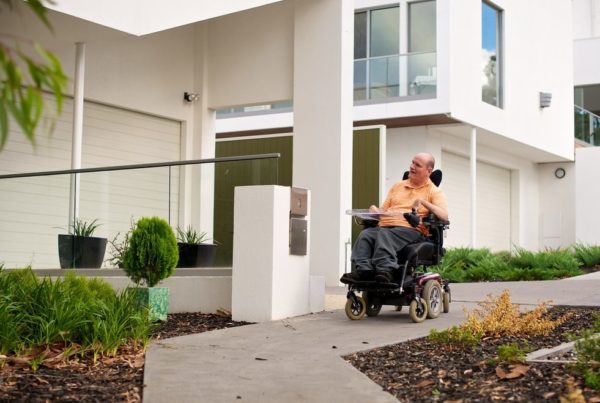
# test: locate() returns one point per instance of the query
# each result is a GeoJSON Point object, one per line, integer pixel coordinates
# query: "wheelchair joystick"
{"type": "Point", "coordinates": [412, 218]}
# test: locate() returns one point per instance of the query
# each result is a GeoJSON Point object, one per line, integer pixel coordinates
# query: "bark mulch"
{"type": "Point", "coordinates": [412, 371]}
{"type": "Point", "coordinates": [421, 370]}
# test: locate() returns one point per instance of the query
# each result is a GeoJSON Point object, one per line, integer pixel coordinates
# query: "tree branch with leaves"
{"type": "Point", "coordinates": [23, 79]}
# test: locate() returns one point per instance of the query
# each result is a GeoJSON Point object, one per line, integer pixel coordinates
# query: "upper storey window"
{"type": "Point", "coordinates": [395, 51]}
{"type": "Point", "coordinates": [491, 54]}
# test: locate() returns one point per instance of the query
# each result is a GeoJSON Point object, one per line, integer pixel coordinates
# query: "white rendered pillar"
{"type": "Point", "coordinates": [203, 142]}
{"type": "Point", "coordinates": [77, 134]}
{"type": "Point", "coordinates": [323, 68]}
{"type": "Point", "coordinates": [267, 283]}
{"type": "Point", "coordinates": [473, 163]}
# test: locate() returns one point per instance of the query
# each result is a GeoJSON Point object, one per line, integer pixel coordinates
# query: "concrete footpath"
{"type": "Point", "coordinates": [299, 359]}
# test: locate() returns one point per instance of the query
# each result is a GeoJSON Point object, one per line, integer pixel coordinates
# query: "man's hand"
{"type": "Point", "coordinates": [441, 213]}
{"type": "Point", "coordinates": [374, 209]}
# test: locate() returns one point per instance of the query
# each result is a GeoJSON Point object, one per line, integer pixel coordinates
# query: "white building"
{"type": "Point", "coordinates": [462, 80]}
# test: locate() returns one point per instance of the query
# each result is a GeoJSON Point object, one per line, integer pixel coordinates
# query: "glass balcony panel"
{"type": "Point", "coordinates": [587, 126]}
{"type": "Point", "coordinates": [360, 80]}
{"type": "Point", "coordinates": [422, 73]}
{"type": "Point", "coordinates": [384, 77]}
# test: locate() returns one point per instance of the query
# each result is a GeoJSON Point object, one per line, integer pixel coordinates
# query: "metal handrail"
{"type": "Point", "coordinates": [142, 166]}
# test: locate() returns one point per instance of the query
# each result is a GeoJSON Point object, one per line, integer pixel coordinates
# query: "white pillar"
{"type": "Point", "coordinates": [323, 68]}
{"type": "Point", "coordinates": [203, 142]}
{"type": "Point", "coordinates": [267, 282]}
{"type": "Point", "coordinates": [473, 162]}
{"type": "Point", "coordinates": [77, 134]}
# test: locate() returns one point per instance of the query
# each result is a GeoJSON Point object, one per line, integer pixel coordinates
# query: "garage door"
{"type": "Point", "coordinates": [493, 203]}
{"type": "Point", "coordinates": [34, 210]}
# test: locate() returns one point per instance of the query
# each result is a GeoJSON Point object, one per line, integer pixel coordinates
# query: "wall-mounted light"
{"type": "Point", "coordinates": [559, 173]}
{"type": "Point", "coordinates": [545, 99]}
{"type": "Point", "coordinates": [190, 97]}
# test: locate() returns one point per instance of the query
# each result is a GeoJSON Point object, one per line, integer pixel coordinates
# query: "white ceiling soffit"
{"type": "Point", "coordinates": [141, 17]}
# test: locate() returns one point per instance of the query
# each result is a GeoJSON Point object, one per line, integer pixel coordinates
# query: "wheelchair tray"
{"type": "Point", "coordinates": [371, 285]}
{"type": "Point", "coordinates": [365, 214]}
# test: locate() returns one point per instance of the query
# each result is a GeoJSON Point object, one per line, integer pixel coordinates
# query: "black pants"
{"type": "Point", "coordinates": [376, 248]}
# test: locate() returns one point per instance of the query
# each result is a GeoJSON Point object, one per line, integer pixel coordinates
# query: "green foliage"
{"type": "Point", "coordinates": [469, 265]}
{"type": "Point", "coordinates": [588, 355]}
{"type": "Point", "coordinates": [191, 236]}
{"type": "Point", "coordinates": [24, 79]}
{"type": "Point", "coordinates": [512, 353]}
{"type": "Point", "coordinates": [456, 336]}
{"type": "Point", "coordinates": [587, 255]}
{"type": "Point", "coordinates": [118, 248]}
{"type": "Point", "coordinates": [83, 228]}
{"type": "Point", "coordinates": [84, 314]}
{"type": "Point", "coordinates": [152, 253]}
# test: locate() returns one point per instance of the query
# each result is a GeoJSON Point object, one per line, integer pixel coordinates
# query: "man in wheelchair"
{"type": "Point", "coordinates": [409, 233]}
{"type": "Point", "coordinates": [400, 223]}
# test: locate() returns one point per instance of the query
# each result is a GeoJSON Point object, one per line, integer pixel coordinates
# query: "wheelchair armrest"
{"type": "Point", "coordinates": [431, 221]}
{"type": "Point", "coordinates": [367, 222]}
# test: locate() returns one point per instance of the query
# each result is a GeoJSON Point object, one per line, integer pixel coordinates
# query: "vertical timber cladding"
{"type": "Point", "coordinates": [365, 172]}
{"type": "Point", "coordinates": [365, 178]}
{"type": "Point", "coordinates": [244, 173]}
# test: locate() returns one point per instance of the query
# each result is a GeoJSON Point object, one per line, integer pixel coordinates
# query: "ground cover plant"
{"type": "Point", "coordinates": [45, 321]}
{"type": "Point", "coordinates": [471, 265]}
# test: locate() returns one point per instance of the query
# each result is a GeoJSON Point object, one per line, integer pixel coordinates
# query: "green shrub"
{"type": "Point", "coordinates": [513, 353]}
{"type": "Point", "coordinates": [587, 255]}
{"type": "Point", "coordinates": [152, 253]}
{"type": "Point", "coordinates": [588, 355]}
{"type": "Point", "coordinates": [456, 336]}
{"type": "Point", "coordinates": [83, 314]}
{"type": "Point", "coordinates": [191, 236]}
{"type": "Point", "coordinates": [83, 228]}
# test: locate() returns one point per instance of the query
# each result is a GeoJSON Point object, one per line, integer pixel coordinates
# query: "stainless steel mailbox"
{"type": "Point", "coordinates": [298, 223]}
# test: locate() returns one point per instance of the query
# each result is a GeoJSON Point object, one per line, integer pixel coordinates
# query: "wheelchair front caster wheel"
{"type": "Point", "coordinates": [373, 304]}
{"type": "Point", "coordinates": [417, 311]}
{"type": "Point", "coordinates": [446, 302]}
{"type": "Point", "coordinates": [356, 309]}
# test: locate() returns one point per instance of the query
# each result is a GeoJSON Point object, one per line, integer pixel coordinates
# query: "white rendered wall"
{"type": "Point", "coordinates": [587, 219]}
{"type": "Point", "coordinates": [323, 126]}
{"type": "Point", "coordinates": [531, 65]}
{"type": "Point", "coordinates": [140, 18]}
{"type": "Point", "coordinates": [586, 61]}
{"type": "Point", "coordinates": [557, 205]}
{"type": "Point", "coordinates": [586, 18]}
{"type": "Point", "coordinates": [250, 56]}
{"type": "Point", "coordinates": [267, 282]}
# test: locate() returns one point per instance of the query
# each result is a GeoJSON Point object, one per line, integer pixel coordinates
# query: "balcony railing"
{"type": "Point", "coordinates": [36, 207]}
{"type": "Point", "coordinates": [587, 126]}
{"type": "Point", "coordinates": [404, 75]}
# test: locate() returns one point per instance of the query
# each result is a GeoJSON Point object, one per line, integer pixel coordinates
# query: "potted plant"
{"type": "Point", "coordinates": [195, 250]}
{"type": "Point", "coordinates": [79, 249]}
{"type": "Point", "coordinates": [150, 257]}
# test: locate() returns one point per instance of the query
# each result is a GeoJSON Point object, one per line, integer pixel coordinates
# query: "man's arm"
{"type": "Point", "coordinates": [440, 212]}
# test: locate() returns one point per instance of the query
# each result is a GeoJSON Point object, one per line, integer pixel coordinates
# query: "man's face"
{"type": "Point", "coordinates": [419, 168]}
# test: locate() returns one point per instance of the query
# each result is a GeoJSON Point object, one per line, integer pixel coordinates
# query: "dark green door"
{"type": "Point", "coordinates": [365, 172]}
{"type": "Point", "coordinates": [244, 173]}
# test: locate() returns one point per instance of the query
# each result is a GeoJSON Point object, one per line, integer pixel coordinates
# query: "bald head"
{"type": "Point", "coordinates": [427, 158]}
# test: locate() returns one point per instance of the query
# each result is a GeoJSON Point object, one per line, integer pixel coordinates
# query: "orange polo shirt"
{"type": "Point", "coordinates": [400, 199]}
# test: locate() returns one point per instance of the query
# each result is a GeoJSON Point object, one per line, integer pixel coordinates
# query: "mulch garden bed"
{"type": "Point", "coordinates": [413, 371]}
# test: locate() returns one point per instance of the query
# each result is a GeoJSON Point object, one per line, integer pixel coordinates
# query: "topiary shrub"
{"type": "Point", "coordinates": [152, 253]}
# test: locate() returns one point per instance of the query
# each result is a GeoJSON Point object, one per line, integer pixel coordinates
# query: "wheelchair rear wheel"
{"type": "Point", "coordinates": [373, 304]}
{"type": "Point", "coordinates": [432, 294]}
{"type": "Point", "coordinates": [356, 309]}
{"type": "Point", "coordinates": [417, 311]}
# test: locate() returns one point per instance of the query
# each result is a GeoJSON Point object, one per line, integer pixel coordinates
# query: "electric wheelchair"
{"type": "Point", "coordinates": [425, 293]}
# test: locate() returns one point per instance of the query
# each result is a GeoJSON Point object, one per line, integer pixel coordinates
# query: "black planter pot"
{"type": "Point", "coordinates": [81, 252]}
{"type": "Point", "coordinates": [196, 255]}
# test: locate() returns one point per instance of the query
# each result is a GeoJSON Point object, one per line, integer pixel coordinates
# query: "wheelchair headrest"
{"type": "Point", "coordinates": [436, 177]}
